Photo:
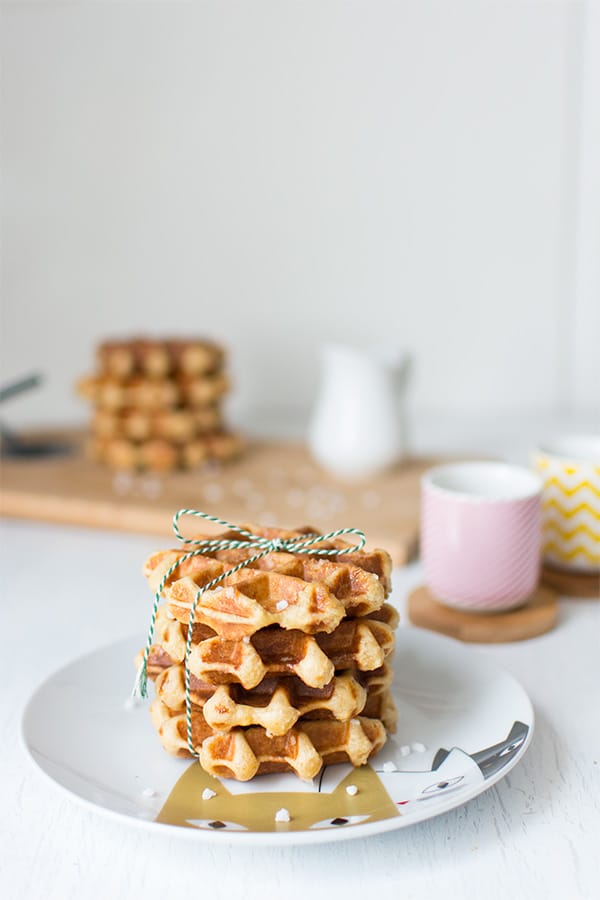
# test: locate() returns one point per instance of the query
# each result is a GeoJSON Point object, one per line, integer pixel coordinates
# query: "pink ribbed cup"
{"type": "Point", "coordinates": [481, 534]}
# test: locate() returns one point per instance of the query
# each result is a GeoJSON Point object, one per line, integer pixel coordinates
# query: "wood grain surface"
{"type": "Point", "coordinates": [273, 483]}
{"type": "Point", "coordinates": [535, 617]}
{"type": "Point", "coordinates": [573, 584]}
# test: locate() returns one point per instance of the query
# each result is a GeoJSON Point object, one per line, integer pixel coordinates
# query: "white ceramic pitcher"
{"type": "Point", "coordinates": [357, 427]}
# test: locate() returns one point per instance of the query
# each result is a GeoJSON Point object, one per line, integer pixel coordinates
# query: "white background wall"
{"type": "Point", "coordinates": [276, 174]}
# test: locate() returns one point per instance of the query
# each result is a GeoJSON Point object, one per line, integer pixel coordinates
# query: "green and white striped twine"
{"type": "Point", "coordinates": [306, 545]}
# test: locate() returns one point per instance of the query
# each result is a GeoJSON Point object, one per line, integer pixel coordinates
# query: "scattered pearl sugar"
{"type": "Point", "coordinates": [122, 483]}
{"type": "Point", "coordinates": [371, 499]}
{"type": "Point", "coordinates": [305, 474]}
{"type": "Point", "coordinates": [352, 790]}
{"type": "Point", "coordinates": [277, 477]}
{"type": "Point", "coordinates": [390, 767]}
{"type": "Point", "coordinates": [254, 501]}
{"type": "Point", "coordinates": [241, 486]}
{"type": "Point", "coordinates": [418, 747]}
{"type": "Point", "coordinates": [207, 794]}
{"type": "Point", "coordinates": [148, 792]}
{"type": "Point", "coordinates": [151, 488]}
{"type": "Point", "coordinates": [282, 815]}
{"type": "Point", "coordinates": [212, 492]}
{"type": "Point", "coordinates": [295, 498]}
{"type": "Point", "coordinates": [282, 604]}
{"type": "Point", "coordinates": [404, 750]}
{"type": "Point", "coordinates": [337, 503]}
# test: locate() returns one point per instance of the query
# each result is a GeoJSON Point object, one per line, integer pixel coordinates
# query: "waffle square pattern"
{"type": "Point", "coordinates": [290, 657]}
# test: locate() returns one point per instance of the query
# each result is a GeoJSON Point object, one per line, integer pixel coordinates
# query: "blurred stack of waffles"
{"type": "Point", "coordinates": [289, 663]}
{"type": "Point", "coordinates": [157, 404]}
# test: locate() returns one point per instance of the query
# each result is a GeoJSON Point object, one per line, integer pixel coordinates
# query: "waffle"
{"type": "Point", "coordinates": [162, 455]}
{"type": "Point", "coordinates": [220, 445]}
{"type": "Point", "coordinates": [250, 600]}
{"type": "Point", "coordinates": [361, 644]}
{"type": "Point", "coordinates": [379, 562]}
{"type": "Point", "coordinates": [310, 593]}
{"type": "Point", "coordinates": [243, 753]}
{"type": "Point", "coordinates": [277, 703]}
{"type": "Point", "coordinates": [381, 706]}
{"type": "Point", "coordinates": [287, 662]}
{"type": "Point", "coordinates": [158, 358]}
{"type": "Point", "coordinates": [176, 425]}
{"type": "Point", "coordinates": [357, 591]}
{"type": "Point", "coordinates": [142, 393]}
{"type": "Point", "coordinates": [375, 562]}
{"type": "Point", "coordinates": [120, 453]}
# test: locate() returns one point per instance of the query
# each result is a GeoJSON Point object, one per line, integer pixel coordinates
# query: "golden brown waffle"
{"type": "Point", "coordinates": [224, 662]}
{"type": "Point", "coordinates": [250, 600]}
{"type": "Point", "coordinates": [296, 591]}
{"type": "Point", "coordinates": [354, 642]}
{"type": "Point", "coordinates": [175, 425]}
{"type": "Point", "coordinates": [379, 562]}
{"type": "Point", "coordinates": [243, 753]}
{"type": "Point", "coordinates": [376, 562]}
{"type": "Point", "coordinates": [161, 455]}
{"type": "Point", "coordinates": [119, 453]}
{"type": "Point", "coordinates": [381, 706]}
{"type": "Point", "coordinates": [158, 358]}
{"type": "Point", "coordinates": [359, 592]}
{"type": "Point", "coordinates": [286, 655]}
{"type": "Point", "coordinates": [276, 704]}
{"type": "Point", "coordinates": [152, 394]}
{"type": "Point", "coordinates": [361, 644]}
{"type": "Point", "coordinates": [220, 445]}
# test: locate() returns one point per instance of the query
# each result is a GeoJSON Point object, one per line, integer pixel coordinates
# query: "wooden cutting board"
{"type": "Point", "coordinates": [273, 483]}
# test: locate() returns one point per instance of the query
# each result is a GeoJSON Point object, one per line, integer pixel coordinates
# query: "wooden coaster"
{"type": "Point", "coordinates": [572, 584]}
{"type": "Point", "coordinates": [537, 616]}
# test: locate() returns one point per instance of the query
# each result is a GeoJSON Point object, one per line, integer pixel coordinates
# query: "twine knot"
{"type": "Point", "coordinates": [306, 544]}
{"type": "Point", "coordinates": [277, 544]}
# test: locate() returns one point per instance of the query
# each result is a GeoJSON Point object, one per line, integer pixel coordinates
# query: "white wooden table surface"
{"type": "Point", "coordinates": [535, 834]}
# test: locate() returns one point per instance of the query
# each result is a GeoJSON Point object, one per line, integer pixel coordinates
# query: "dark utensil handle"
{"type": "Point", "coordinates": [16, 387]}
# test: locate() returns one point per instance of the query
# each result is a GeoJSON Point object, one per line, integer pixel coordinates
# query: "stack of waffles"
{"type": "Point", "coordinates": [157, 404]}
{"type": "Point", "coordinates": [289, 663]}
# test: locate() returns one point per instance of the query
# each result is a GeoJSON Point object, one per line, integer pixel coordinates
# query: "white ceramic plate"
{"type": "Point", "coordinates": [463, 724]}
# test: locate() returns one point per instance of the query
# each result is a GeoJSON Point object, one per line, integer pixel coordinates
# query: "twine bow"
{"type": "Point", "coordinates": [305, 544]}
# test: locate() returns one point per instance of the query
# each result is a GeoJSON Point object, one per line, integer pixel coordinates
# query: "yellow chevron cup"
{"type": "Point", "coordinates": [570, 469]}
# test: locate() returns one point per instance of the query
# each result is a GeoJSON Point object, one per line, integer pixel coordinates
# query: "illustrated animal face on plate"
{"type": "Point", "coordinates": [340, 797]}
{"type": "Point", "coordinates": [451, 771]}
{"type": "Point", "coordinates": [252, 806]}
